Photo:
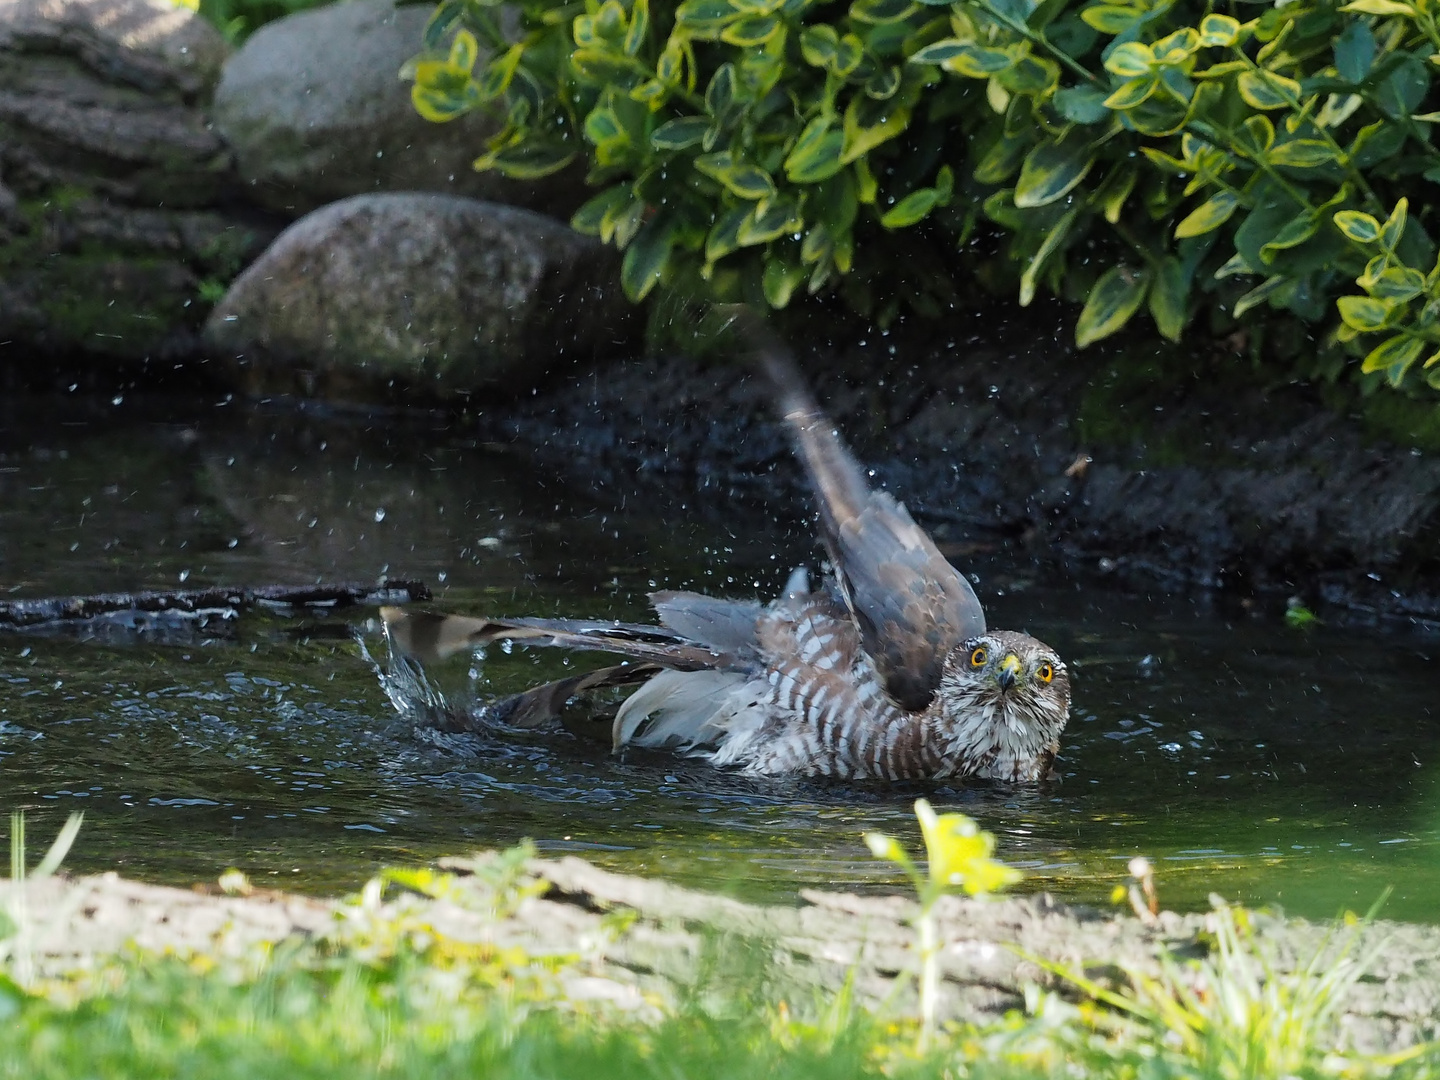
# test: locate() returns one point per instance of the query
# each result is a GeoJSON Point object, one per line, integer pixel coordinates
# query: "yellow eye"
{"type": "Point", "coordinates": [1045, 672]}
{"type": "Point", "coordinates": [978, 657]}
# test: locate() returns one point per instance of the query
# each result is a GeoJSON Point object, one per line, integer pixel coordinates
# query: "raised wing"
{"type": "Point", "coordinates": [911, 606]}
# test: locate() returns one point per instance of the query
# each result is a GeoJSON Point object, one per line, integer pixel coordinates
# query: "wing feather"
{"type": "Point", "coordinates": [427, 636]}
{"type": "Point", "coordinates": [911, 606]}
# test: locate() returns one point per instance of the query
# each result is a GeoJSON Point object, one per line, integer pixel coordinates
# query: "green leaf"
{"type": "Point", "coordinates": [819, 45]}
{"type": "Point", "coordinates": [589, 217]}
{"type": "Point", "coordinates": [723, 237]}
{"type": "Point", "coordinates": [1294, 233]}
{"type": "Point", "coordinates": [935, 53]}
{"type": "Point", "coordinates": [1035, 75]}
{"type": "Point", "coordinates": [867, 188]}
{"type": "Point", "coordinates": [639, 29]}
{"type": "Point", "coordinates": [1380, 7]}
{"type": "Point", "coordinates": [1176, 47]}
{"type": "Point", "coordinates": [603, 126]}
{"type": "Point", "coordinates": [911, 209]}
{"type": "Point", "coordinates": [1394, 226]}
{"type": "Point", "coordinates": [1082, 104]}
{"type": "Point", "coordinates": [1256, 136]}
{"type": "Point", "coordinates": [1402, 91]}
{"type": "Point", "coordinates": [1360, 227]}
{"type": "Point", "coordinates": [944, 185]}
{"type": "Point", "coordinates": [646, 257]}
{"type": "Point", "coordinates": [604, 68]}
{"type": "Point", "coordinates": [1209, 215]}
{"type": "Point", "coordinates": [1364, 313]}
{"type": "Point", "coordinates": [527, 161]}
{"type": "Point", "coordinates": [781, 216]}
{"type": "Point", "coordinates": [1130, 94]}
{"type": "Point", "coordinates": [721, 91]}
{"type": "Point", "coordinates": [705, 19]}
{"type": "Point", "coordinates": [1258, 295]}
{"type": "Point", "coordinates": [1301, 153]}
{"type": "Point", "coordinates": [1111, 18]}
{"type": "Point", "coordinates": [499, 73]}
{"type": "Point", "coordinates": [739, 177]}
{"type": "Point", "coordinates": [880, 12]}
{"type": "Point", "coordinates": [1130, 60]}
{"type": "Point", "coordinates": [1219, 30]}
{"type": "Point", "coordinates": [1354, 51]}
{"type": "Point", "coordinates": [977, 61]}
{"type": "Point", "coordinates": [1002, 159]}
{"type": "Point", "coordinates": [680, 133]}
{"type": "Point", "coordinates": [1266, 90]}
{"type": "Point", "coordinates": [1052, 170]}
{"type": "Point", "coordinates": [1110, 197]}
{"type": "Point", "coordinates": [1235, 266]}
{"type": "Point", "coordinates": [751, 32]}
{"type": "Point", "coordinates": [816, 155]}
{"type": "Point", "coordinates": [883, 84]}
{"type": "Point", "coordinates": [868, 123]}
{"type": "Point", "coordinates": [1054, 240]}
{"type": "Point", "coordinates": [440, 105]}
{"type": "Point", "coordinates": [1398, 284]}
{"type": "Point", "coordinates": [1394, 357]}
{"type": "Point", "coordinates": [1112, 301]}
{"type": "Point", "coordinates": [464, 51]}
{"type": "Point", "coordinates": [780, 280]}
{"type": "Point", "coordinates": [1169, 296]}
{"type": "Point", "coordinates": [442, 20]}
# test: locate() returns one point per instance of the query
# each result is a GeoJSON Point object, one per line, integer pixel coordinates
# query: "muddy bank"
{"type": "Point", "coordinates": [640, 941]}
{"type": "Point", "coordinates": [1187, 471]}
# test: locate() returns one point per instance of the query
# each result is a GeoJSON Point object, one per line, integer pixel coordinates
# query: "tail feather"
{"type": "Point", "coordinates": [541, 705]}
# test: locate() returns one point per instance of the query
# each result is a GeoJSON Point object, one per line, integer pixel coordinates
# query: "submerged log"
{"type": "Point", "coordinates": [221, 603]}
{"type": "Point", "coordinates": [640, 940]}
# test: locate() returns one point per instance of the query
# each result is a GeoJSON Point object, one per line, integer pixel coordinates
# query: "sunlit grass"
{"type": "Point", "coordinates": [386, 994]}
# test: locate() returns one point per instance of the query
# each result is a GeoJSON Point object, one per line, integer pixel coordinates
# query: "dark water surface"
{"type": "Point", "coordinates": [1246, 758]}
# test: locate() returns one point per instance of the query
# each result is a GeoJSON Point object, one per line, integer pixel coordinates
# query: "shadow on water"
{"type": "Point", "coordinates": [1244, 757]}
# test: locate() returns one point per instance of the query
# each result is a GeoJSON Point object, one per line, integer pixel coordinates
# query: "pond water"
{"type": "Point", "coordinates": [1244, 757]}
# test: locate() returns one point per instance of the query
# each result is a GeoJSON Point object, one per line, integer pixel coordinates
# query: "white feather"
{"type": "Point", "coordinates": [680, 707]}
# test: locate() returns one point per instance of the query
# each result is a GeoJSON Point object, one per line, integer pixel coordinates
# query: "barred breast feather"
{"type": "Point", "coordinates": [811, 705]}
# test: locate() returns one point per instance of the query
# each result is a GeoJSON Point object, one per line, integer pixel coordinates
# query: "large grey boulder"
{"type": "Point", "coordinates": [111, 178]}
{"type": "Point", "coordinates": [431, 292]}
{"type": "Point", "coordinates": [315, 110]}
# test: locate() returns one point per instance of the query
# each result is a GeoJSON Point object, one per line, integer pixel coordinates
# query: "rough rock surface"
{"type": "Point", "coordinates": [987, 954]}
{"type": "Point", "coordinates": [1206, 480]}
{"type": "Point", "coordinates": [113, 179]}
{"type": "Point", "coordinates": [437, 292]}
{"type": "Point", "coordinates": [314, 109]}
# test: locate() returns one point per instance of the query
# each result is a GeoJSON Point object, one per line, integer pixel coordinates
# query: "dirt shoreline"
{"type": "Point", "coordinates": [640, 942]}
{"type": "Point", "coordinates": [1206, 479]}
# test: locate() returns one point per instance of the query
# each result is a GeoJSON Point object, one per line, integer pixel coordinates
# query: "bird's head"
{"type": "Point", "coordinates": [1005, 698]}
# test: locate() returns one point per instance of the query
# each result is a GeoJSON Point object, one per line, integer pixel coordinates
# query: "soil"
{"type": "Point", "coordinates": [1187, 470]}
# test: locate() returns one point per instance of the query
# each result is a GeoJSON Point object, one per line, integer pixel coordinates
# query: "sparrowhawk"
{"type": "Point", "coordinates": [886, 671]}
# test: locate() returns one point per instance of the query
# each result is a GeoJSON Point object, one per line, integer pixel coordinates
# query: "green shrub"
{"type": "Point", "coordinates": [1137, 154]}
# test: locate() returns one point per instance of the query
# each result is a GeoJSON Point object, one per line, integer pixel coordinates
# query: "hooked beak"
{"type": "Point", "coordinates": [1009, 671]}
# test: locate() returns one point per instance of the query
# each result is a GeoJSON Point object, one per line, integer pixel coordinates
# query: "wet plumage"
{"type": "Point", "coordinates": [886, 671]}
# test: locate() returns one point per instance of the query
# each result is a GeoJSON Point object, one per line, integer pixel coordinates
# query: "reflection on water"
{"type": "Point", "coordinates": [1245, 758]}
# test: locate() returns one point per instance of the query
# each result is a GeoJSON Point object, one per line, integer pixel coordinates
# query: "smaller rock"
{"type": "Point", "coordinates": [148, 44]}
{"type": "Point", "coordinates": [315, 111]}
{"type": "Point", "coordinates": [432, 292]}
